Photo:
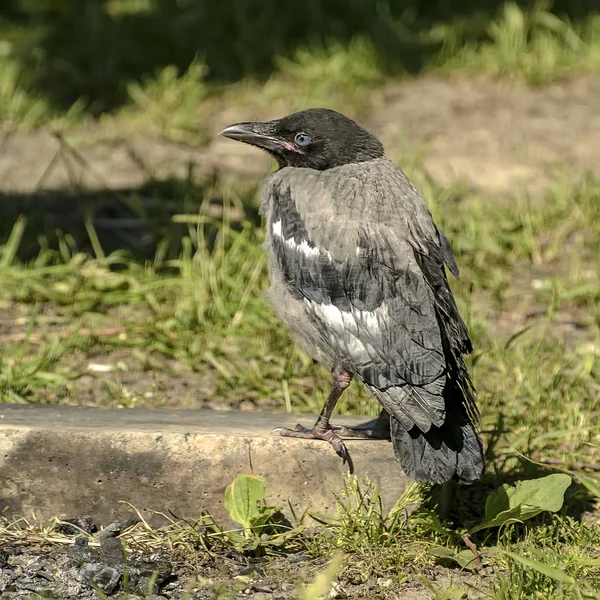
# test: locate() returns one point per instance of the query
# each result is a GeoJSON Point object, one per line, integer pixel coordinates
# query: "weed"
{"type": "Point", "coordinates": [169, 103]}
{"type": "Point", "coordinates": [394, 548]}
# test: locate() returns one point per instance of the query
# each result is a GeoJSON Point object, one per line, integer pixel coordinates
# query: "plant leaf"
{"type": "Point", "coordinates": [592, 485]}
{"type": "Point", "coordinates": [321, 586]}
{"type": "Point", "coordinates": [552, 572]}
{"type": "Point", "coordinates": [242, 498]}
{"type": "Point", "coordinates": [524, 500]}
{"type": "Point", "coordinates": [546, 493]}
{"type": "Point", "coordinates": [464, 558]}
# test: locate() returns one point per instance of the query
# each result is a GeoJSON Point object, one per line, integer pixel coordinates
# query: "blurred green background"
{"type": "Point", "coordinates": [89, 52]}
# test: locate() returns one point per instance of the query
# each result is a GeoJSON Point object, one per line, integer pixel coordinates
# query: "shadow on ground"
{"type": "Point", "coordinates": [134, 221]}
{"type": "Point", "coordinates": [93, 48]}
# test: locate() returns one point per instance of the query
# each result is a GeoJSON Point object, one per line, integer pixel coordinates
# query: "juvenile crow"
{"type": "Point", "coordinates": [357, 272]}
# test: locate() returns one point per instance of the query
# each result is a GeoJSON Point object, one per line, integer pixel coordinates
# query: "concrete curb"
{"type": "Point", "coordinates": [71, 461]}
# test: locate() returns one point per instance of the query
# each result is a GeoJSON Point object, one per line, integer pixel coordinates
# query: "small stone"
{"type": "Point", "coordinates": [337, 591]}
{"type": "Point", "coordinates": [105, 577]}
{"type": "Point", "coordinates": [3, 558]}
{"type": "Point", "coordinates": [111, 551]}
{"type": "Point", "coordinates": [116, 528]}
{"type": "Point", "coordinates": [82, 552]}
{"type": "Point", "coordinates": [112, 530]}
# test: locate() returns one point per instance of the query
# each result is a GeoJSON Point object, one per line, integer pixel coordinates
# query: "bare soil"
{"type": "Point", "coordinates": [499, 137]}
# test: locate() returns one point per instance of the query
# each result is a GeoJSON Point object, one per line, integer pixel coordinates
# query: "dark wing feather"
{"type": "Point", "coordinates": [432, 267]}
{"type": "Point", "coordinates": [448, 256]}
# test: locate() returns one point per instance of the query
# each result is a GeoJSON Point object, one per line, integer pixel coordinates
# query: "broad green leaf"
{"type": "Point", "coordinates": [242, 498]}
{"type": "Point", "coordinates": [518, 514]}
{"type": "Point", "coordinates": [552, 572]}
{"type": "Point", "coordinates": [524, 500]}
{"type": "Point", "coordinates": [546, 493]}
{"type": "Point", "coordinates": [464, 558]}
{"type": "Point", "coordinates": [264, 515]}
{"type": "Point", "coordinates": [442, 552]}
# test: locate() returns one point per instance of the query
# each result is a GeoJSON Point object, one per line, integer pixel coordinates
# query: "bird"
{"type": "Point", "coordinates": [357, 271]}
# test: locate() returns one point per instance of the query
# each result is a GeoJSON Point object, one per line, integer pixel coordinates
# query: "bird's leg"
{"type": "Point", "coordinates": [322, 429]}
{"type": "Point", "coordinates": [376, 429]}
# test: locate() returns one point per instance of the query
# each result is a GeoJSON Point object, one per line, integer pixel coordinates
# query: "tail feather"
{"type": "Point", "coordinates": [452, 450]}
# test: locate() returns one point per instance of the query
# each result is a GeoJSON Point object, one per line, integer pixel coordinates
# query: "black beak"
{"type": "Point", "coordinates": [256, 134]}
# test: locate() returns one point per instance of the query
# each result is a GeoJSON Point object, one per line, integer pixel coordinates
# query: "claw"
{"type": "Point", "coordinates": [328, 435]}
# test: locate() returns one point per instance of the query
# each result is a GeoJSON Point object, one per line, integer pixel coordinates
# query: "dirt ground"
{"type": "Point", "coordinates": [498, 137]}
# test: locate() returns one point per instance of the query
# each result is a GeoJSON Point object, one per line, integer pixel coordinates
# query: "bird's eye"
{"type": "Point", "coordinates": [303, 139]}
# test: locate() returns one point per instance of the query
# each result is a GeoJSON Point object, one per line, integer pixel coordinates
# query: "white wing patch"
{"type": "Point", "coordinates": [351, 328]}
{"type": "Point", "coordinates": [353, 321]}
{"type": "Point", "coordinates": [303, 247]}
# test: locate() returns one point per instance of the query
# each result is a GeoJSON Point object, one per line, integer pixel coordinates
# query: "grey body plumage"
{"type": "Point", "coordinates": [357, 272]}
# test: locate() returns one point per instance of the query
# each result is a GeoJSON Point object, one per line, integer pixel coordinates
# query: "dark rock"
{"type": "Point", "coordinates": [78, 525]}
{"type": "Point", "coordinates": [105, 577]}
{"type": "Point", "coordinates": [111, 551]}
{"type": "Point", "coordinates": [82, 552]}
{"type": "Point", "coordinates": [141, 573]}
{"type": "Point", "coordinates": [3, 558]}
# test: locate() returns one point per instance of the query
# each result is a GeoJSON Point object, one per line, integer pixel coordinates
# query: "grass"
{"type": "Point", "coordinates": [535, 45]}
{"type": "Point", "coordinates": [204, 309]}
{"type": "Point", "coordinates": [364, 544]}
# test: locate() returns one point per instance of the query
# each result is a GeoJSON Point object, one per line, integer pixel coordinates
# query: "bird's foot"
{"type": "Point", "coordinates": [376, 429]}
{"type": "Point", "coordinates": [372, 430]}
{"type": "Point", "coordinates": [320, 432]}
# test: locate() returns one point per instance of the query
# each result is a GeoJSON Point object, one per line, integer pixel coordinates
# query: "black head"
{"type": "Point", "coordinates": [317, 138]}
